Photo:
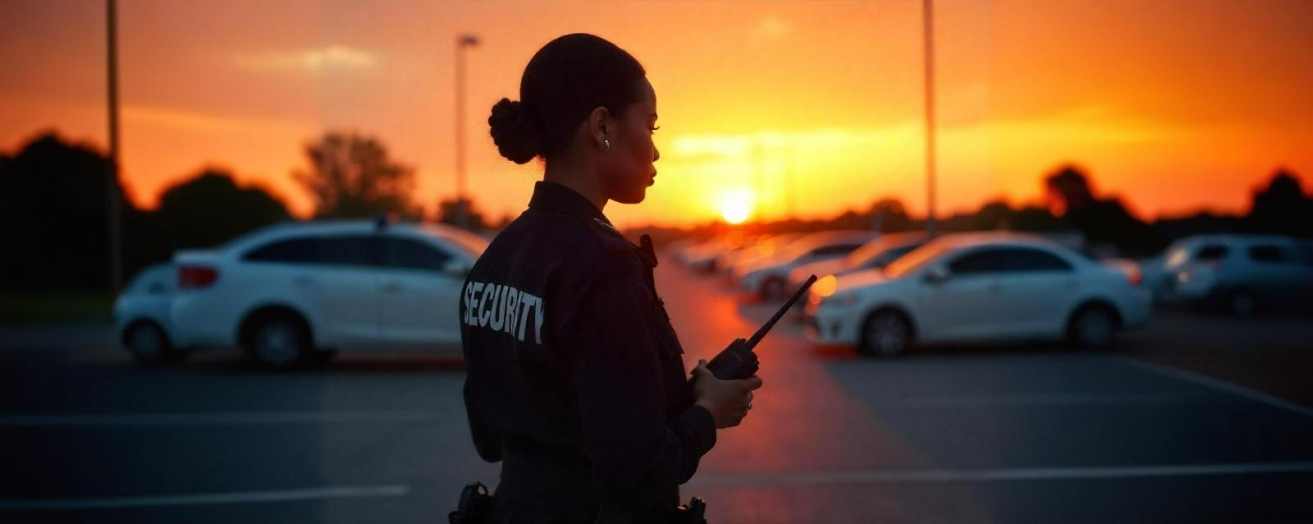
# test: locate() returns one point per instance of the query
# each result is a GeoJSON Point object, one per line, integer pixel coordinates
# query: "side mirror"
{"type": "Point", "coordinates": [936, 275]}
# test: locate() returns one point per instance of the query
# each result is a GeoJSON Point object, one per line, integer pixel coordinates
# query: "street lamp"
{"type": "Point", "coordinates": [112, 193]}
{"type": "Point", "coordinates": [463, 203]}
{"type": "Point", "coordinates": [927, 13]}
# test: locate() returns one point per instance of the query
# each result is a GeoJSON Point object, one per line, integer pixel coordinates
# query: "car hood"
{"type": "Point", "coordinates": [861, 279]}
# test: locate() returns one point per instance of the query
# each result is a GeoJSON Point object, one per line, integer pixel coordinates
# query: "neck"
{"type": "Point", "coordinates": [578, 178]}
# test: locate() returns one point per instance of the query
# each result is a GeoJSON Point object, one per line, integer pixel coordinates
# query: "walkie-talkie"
{"type": "Point", "coordinates": [738, 361]}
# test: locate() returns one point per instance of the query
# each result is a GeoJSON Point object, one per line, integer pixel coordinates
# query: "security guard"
{"type": "Point", "coordinates": [576, 380]}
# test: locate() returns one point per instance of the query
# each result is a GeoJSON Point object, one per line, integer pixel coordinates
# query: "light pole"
{"type": "Point", "coordinates": [463, 203]}
{"type": "Point", "coordinates": [927, 11]}
{"type": "Point", "coordinates": [115, 239]}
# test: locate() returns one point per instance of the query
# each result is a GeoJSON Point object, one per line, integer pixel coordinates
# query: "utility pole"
{"type": "Point", "coordinates": [463, 212]}
{"type": "Point", "coordinates": [927, 10]}
{"type": "Point", "coordinates": [115, 230]}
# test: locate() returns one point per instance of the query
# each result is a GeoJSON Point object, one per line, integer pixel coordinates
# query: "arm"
{"type": "Point", "coordinates": [617, 377]}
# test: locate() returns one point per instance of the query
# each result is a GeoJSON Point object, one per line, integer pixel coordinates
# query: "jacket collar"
{"type": "Point", "coordinates": [556, 198]}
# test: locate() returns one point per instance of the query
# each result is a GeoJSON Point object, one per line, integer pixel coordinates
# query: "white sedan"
{"type": "Point", "coordinates": [298, 292]}
{"type": "Point", "coordinates": [977, 287]}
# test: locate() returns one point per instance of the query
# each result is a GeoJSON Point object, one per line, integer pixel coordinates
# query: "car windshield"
{"type": "Point", "coordinates": [917, 258]}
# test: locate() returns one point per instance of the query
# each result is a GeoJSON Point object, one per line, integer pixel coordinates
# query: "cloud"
{"type": "Point", "coordinates": [324, 59]}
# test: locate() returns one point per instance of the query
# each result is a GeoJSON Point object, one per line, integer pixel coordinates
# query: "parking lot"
{"type": "Point", "coordinates": [1195, 418]}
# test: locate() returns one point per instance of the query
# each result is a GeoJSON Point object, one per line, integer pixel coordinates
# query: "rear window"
{"type": "Point", "coordinates": [339, 250]}
{"type": "Point", "coordinates": [1270, 254]}
{"type": "Point", "coordinates": [303, 250]}
{"type": "Point", "coordinates": [1211, 252]}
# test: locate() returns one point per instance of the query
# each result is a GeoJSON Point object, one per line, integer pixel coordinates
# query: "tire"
{"type": "Point", "coordinates": [1241, 303]}
{"type": "Point", "coordinates": [279, 343]}
{"type": "Point", "coordinates": [149, 344]}
{"type": "Point", "coordinates": [1093, 327]}
{"type": "Point", "coordinates": [885, 333]}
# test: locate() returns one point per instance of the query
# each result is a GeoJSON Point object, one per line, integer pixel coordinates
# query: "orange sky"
{"type": "Point", "coordinates": [1175, 105]}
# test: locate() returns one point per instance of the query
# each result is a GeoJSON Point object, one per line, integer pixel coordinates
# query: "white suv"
{"type": "Point", "coordinates": [977, 287]}
{"type": "Point", "coordinates": [298, 292]}
{"type": "Point", "coordinates": [1239, 272]}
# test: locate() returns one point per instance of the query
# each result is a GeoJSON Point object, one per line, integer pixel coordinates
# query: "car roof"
{"type": "Point", "coordinates": [357, 226]}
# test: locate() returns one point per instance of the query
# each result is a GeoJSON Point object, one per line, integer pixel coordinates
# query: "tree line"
{"type": "Point", "coordinates": [54, 207]}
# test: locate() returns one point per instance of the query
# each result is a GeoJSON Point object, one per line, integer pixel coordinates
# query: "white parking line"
{"type": "Point", "coordinates": [239, 497]}
{"type": "Point", "coordinates": [1228, 387]}
{"type": "Point", "coordinates": [995, 475]}
{"type": "Point", "coordinates": [202, 419]}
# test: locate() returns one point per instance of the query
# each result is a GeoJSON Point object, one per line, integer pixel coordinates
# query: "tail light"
{"type": "Point", "coordinates": [1135, 276]}
{"type": "Point", "coordinates": [196, 277]}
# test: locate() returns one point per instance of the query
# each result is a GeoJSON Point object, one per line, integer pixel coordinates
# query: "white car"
{"type": "Point", "coordinates": [141, 315]}
{"type": "Point", "coordinates": [977, 287]}
{"type": "Point", "coordinates": [875, 254]}
{"type": "Point", "coordinates": [298, 292]}
{"type": "Point", "coordinates": [1242, 273]}
{"type": "Point", "coordinates": [769, 276]}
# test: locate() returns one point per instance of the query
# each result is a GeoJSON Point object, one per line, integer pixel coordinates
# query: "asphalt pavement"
{"type": "Point", "coordinates": [993, 434]}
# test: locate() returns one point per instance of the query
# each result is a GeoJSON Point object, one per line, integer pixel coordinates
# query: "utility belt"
{"type": "Point", "coordinates": [536, 475]}
{"type": "Point", "coordinates": [476, 506]}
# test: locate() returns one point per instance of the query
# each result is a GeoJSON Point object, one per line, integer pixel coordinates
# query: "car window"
{"type": "Point", "coordinates": [834, 250]}
{"type": "Point", "coordinates": [349, 250]}
{"type": "Point", "coordinates": [1028, 259]}
{"type": "Point", "coordinates": [407, 253]}
{"type": "Point", "coordinates": [1008, 260]}
{"type": "Point", "coordinates": [1269, 253]}
{"type": "Point", "coordinates": [299, 250]}
{"type": "Point", "coordinates": [988, 260]}
{"type": "Point", "coordinates": [917, 259]}
{"type": "Point", "coordinates": [1211, 252]}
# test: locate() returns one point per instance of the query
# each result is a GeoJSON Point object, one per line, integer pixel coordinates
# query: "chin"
{"type": "Point", "coordinates": [632, 197]}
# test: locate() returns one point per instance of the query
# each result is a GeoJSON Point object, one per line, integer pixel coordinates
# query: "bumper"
{"type": "Point", "coordinates": [829, 328]}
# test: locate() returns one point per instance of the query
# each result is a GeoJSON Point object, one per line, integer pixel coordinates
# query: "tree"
{"type": "Point", "coordinates": [888, 214]}
{"type": "Point", "coordinates": [351, 176]}
{"type": "Point", "coordinates": [209, 208]}
{"type": "Point", "coordinates": [1281, 207]}
{"type": "Point", "coordinates": [460, 212]}
{"type": "Point", "coordinates": [53, 208]}
{"type": "Point", "coordinates": [1067, 188]}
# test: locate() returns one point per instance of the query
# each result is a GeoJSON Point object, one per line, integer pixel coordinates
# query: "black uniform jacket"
{"type": "Point", "coordinates": [576, 380]}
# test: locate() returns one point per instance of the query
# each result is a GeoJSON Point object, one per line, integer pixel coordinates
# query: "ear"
{"type": "Point", "coordinates": [600, 125]}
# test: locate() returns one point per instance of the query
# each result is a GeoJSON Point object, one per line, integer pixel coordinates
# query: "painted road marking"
{"type": "Point", "coordinates": [996, 475]}
{"type": "Point", "coordinates": [238, 497]}
{"type": "Point", "coordinates": [205, 419]}
{"type": "Point", "coordinates": [1221, 385]}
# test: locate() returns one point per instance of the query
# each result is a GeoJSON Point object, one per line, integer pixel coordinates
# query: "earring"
{"type": "Point", "coordinates": [606, 144]}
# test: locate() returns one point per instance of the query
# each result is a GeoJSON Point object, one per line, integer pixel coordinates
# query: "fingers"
{"type": "Point", "coordinates": [701, 369]}
{"type": "Point", "coordinates": [751, 383]}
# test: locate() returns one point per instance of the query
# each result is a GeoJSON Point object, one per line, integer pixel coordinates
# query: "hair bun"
{"type": "Point", "coordinates": [514, 131]}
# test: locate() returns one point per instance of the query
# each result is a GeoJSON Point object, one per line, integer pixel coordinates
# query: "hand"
{"type": "Point", "coordinates": [728, 401]}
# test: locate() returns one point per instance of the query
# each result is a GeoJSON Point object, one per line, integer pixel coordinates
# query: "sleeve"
{"type": "Point", "coordinates": [487, 441]}
{"type": "Point", "coordinates": [617, 377]}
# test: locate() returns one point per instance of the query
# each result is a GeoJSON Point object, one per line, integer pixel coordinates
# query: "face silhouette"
{"type": "Point", "coordinates": [627, 167]}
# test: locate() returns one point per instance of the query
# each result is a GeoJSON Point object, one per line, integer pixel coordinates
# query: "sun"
{"type": "Point", "coordinates": [736, 205]}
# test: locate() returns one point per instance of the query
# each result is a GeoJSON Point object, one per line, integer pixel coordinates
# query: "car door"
{"type": "Point", "coordinates": [330, 276]}
{"type": "Point", "coordinates": [420, 298]}
{"type": "Point", "coordinates": [1037, 287]}
{"type": "Point", "coordinates": [965, 305]}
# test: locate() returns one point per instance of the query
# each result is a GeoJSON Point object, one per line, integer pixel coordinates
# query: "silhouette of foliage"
{"type": "Point", "coordinates": [460, 212]}
{"type": "Point", "coordinates": [1281, 207]}
{"type": "Point", "coordinates": [54, 208]}
{"type": "Point", "coordinates": [351, 176]}
{"type": "Point", "coordinates": [210, 208]}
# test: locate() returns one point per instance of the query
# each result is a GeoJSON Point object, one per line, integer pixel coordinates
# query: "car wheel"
{"type": "Point", "coordinates": [1242, 303]}
{"type": "Point", "coordinates": [886, 334]}
{"type": "Point", "coordinates": [149, 345]}
{"type": "Point", "coordinates": [1093, 327]}
{"type": "Point", "coordinates": [279, 343]}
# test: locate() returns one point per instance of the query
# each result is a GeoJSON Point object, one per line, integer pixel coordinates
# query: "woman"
{"type": "Point", "coordinates": [576, 381]}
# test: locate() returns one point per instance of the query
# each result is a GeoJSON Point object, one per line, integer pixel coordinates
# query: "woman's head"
{"type": "Point", "coordinates": [584, 101]}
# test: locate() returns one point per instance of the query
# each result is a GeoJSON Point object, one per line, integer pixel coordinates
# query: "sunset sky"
{"type": "Point", "coordinates": [1174, 105]}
